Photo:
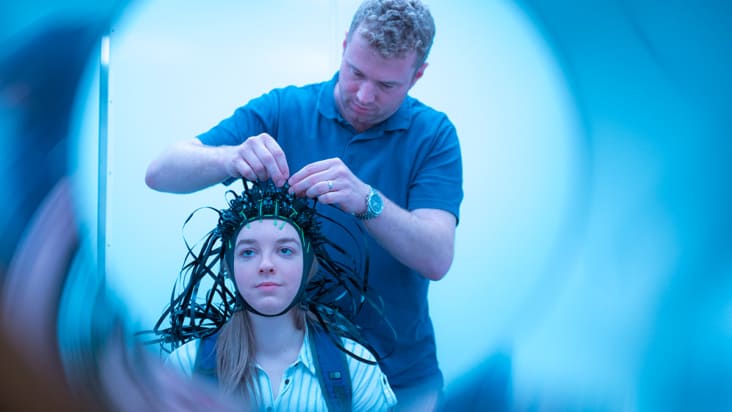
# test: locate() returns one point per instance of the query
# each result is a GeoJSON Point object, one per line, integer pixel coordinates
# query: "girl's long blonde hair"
{"type": "Point", "coordinates": [235, 350]}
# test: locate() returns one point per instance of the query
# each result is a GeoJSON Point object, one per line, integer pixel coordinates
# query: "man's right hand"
{"type": "Point", "coordinates": [258, 158]}
{"type": "Point", "coordinates": [188, 166]}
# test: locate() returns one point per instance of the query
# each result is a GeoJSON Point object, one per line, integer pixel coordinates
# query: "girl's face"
{"type": "Point", "coordinates": [268, 264]}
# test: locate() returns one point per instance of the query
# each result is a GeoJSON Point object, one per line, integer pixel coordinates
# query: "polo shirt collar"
{"type": "Point", "coordinates": [327, 107]}
{"type": "Point", "coordinates": [326, 102]}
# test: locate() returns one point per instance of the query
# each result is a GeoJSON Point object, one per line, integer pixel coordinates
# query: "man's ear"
{"type": "Point", "coordinates": [345, 41]}
{"type": "Point", "coordinates": [418, 74]}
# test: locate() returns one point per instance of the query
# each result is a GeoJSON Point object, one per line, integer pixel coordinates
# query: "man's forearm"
{"type": "Point", "coordinates": [423, 239]}
{"type": "Point", "coordinates": [186, 167]}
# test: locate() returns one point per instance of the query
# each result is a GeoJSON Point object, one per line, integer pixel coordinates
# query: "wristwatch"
{"type": "Point", "coordinates": [374, 205]}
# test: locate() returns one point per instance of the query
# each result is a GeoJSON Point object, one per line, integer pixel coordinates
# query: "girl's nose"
{"type": "Point", "coordinates": [266, 266]}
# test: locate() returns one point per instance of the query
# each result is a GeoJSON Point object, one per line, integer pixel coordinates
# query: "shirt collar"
{"type": "Point", "coordinates": [306, 355]}
{"type": "Point", "coordinates": [327, 107]}
{"type": "Point", "coordinates": [401, 118]}
{"type": "Point", "coordinates": [326, 101]}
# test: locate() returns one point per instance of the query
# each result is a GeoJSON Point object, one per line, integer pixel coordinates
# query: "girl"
{"type": "Point", "coordinates": [279, 340]}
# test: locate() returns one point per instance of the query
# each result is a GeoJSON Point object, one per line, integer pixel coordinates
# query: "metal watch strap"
{"type": "Point", "coordinates": [369, 213]}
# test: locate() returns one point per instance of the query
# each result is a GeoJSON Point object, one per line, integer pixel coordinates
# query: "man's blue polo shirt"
{"type": "Point", "coordinates": [413, 158]}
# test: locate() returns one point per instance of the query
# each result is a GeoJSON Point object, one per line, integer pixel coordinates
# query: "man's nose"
{"type": "Point", "coordinates": [366, 93]}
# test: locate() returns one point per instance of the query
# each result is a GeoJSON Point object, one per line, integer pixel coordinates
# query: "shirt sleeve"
{"type": "Point", "coordinates": [184, 358]}
{"type": "Point", "coordinates": [259, 115]}
{"type": "Point", "coordinates": [438, 168]}
{"type": "Point", "coordinates": [371, 389]}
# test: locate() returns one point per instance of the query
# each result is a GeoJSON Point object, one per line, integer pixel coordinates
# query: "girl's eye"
{"type": "Point", "coordinates": [247, 253]}
{"type": "Point", "coordinates": [286, 251]}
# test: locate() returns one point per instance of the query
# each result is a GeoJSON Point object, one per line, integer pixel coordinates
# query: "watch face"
{"type": "Point", "coordinates": [375, 204]}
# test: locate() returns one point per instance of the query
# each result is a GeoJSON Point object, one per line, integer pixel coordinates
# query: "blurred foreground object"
{"type": "Point", "coordinates": [47, 279]}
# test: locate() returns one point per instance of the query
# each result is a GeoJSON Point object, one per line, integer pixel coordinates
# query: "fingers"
{"type": "Point", "coordinates": [331, 182]}
{"type": "Point", "coordinates": [312, 179]}
{"type": "Point", "coordinates": [320, 189]}
{"type": "Point", "coordinates": [261, 158]}
{"type": "Point", "coordinates": [326, 191]}
{"type": "Point", "coordinates": [277, 163]}
{"type": "Point", "coordinates": [308, 175]}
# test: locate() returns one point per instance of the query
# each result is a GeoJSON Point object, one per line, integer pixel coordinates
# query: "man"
{"type": "Point", "coordinates": [361, 143]}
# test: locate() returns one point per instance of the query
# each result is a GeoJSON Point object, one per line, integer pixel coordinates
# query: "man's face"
{"type": "Point", "coordinates": [371, 88]}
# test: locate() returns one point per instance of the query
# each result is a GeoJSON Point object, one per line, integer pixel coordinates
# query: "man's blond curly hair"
{"type": "Point", "coordinates": [395, 27]}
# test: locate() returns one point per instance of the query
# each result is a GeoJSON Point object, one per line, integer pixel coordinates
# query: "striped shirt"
{"type": "Point", "coordinates": [300, 389]}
